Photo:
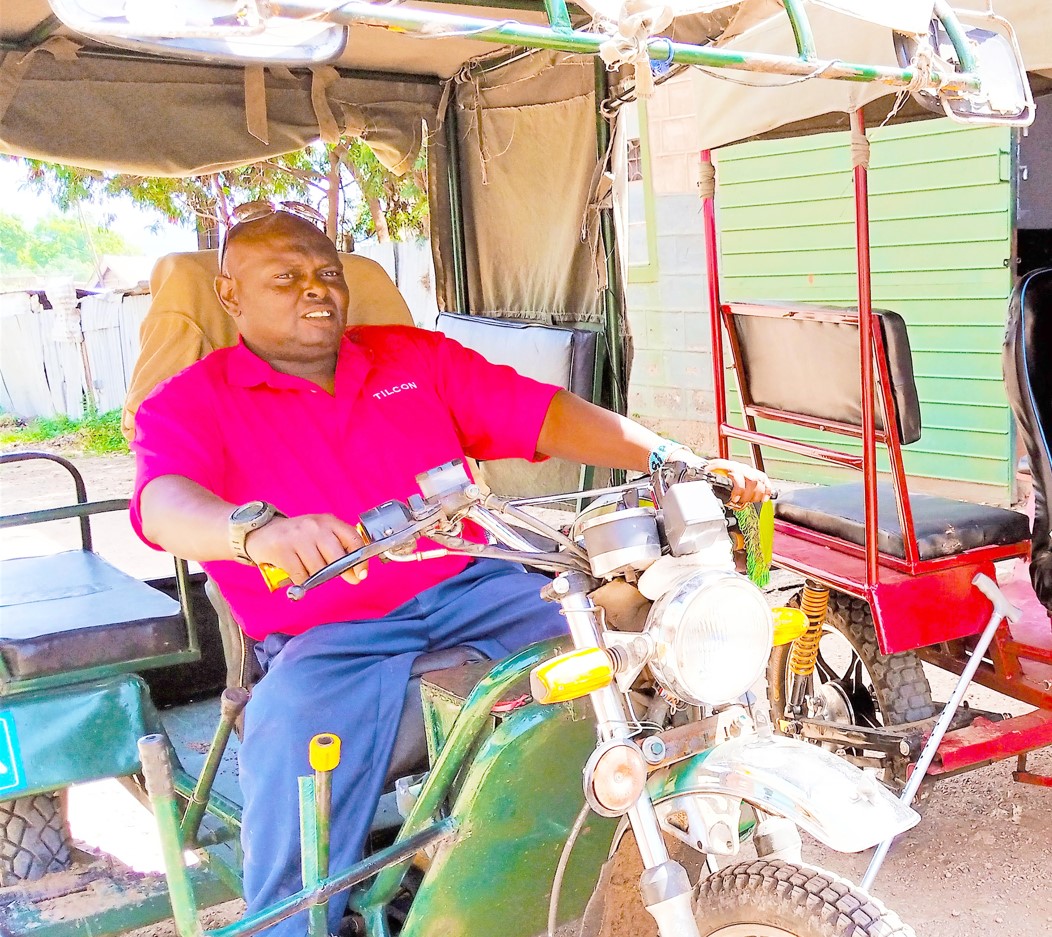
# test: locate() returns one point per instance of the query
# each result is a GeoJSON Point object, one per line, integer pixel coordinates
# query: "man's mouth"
{"type": "Point", "coordinates": [319, 314]}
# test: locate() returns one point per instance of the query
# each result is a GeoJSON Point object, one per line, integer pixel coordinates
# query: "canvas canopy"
{"type": "Point", "coordinates": [525, 232]}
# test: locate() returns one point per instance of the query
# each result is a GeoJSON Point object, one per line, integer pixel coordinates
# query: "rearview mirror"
{"type": "Point", "coordinates": [1004, 96]}
{"type": "Point", "coordinates": [231, 31]}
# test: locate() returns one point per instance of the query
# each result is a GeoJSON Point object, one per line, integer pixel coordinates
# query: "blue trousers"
{"type": "Point", "coordinates": [349, 678]}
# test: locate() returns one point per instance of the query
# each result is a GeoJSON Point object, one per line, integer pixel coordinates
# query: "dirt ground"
{"type": "Point", "coordinates": [979, 864]}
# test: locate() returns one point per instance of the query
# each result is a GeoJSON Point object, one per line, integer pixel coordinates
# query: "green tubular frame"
{"type": "Point", "coordinates": [473, 717]}
{"type": "Point", "coordinates": [558, 35]}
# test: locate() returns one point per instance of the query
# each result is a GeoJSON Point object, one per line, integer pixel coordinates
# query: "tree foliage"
{"type": "Point", "coordinates": [56, 245]}
{"type": "Point", "coordinates": [373, 202]}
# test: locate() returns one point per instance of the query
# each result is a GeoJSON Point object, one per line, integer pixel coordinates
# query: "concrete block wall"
{"type": "Point", "coordinates": [671, 386]}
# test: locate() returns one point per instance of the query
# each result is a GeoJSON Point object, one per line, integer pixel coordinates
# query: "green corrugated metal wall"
{"type": "Point", "coordinates": [941, 235]}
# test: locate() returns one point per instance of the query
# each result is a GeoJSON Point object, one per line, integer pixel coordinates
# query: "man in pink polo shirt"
{"type": "Point", "coordinates": [267, 452]}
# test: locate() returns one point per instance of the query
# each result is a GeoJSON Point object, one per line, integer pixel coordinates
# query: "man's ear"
{"type": "Point", "coordinates": [227, 293]}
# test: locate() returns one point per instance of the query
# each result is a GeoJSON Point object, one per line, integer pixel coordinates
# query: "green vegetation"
{"type": "Point", "coordinates": [363, 198]}
{"type": "Point", "coordinates": [56, 245]}
{"type": "Point", "coordinates": [95, 433]}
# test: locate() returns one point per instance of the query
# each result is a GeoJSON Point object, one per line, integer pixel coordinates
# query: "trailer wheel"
{"type": "Point", "coordinates": [854, 679]}
{"type": "Point", "coordinates": [34, 837]}
{"type": "Point", "coordinates": [771, 898]}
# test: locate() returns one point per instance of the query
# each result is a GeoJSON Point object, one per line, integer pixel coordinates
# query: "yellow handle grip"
{"type": "Point", "coordinates": [324, 752]}
{"type": "Point", "coordinates": [274, 576]}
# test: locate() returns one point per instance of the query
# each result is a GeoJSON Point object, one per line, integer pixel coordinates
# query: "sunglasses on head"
{"type": "Point", "coordinates": [261, 208]}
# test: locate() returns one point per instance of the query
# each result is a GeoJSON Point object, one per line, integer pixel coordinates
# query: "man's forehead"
{"type": "Point", "coordinates": [281, 241]}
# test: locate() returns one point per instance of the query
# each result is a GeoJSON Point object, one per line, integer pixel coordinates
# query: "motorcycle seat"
{"type": "Point", "coordinates": [944, 527]}
{"type": "Point", "coordinates": [72, 611]}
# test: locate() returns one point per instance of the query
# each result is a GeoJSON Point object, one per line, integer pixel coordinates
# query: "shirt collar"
{"type": "Point", "coordinates": [246, 369]}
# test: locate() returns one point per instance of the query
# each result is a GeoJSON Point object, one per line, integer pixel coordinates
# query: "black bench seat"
{"type": "Point", "coordinates": [71, 611]}
{"type": "Point", "coordinates": [944, 527]}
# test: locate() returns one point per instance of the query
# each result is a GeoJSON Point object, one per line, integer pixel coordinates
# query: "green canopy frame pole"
{"type": "Point", "coordinates": [456, 208]}
{"type": "Point", "coordinates": [614, 339]}
{"type": "Point", "coordinates": [509, 32]}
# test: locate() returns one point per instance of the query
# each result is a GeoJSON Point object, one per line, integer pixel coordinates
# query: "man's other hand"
{"type": "Point", "coordinates": [750, 484]}
{"type": "Point", "coordinates": [302, 545]}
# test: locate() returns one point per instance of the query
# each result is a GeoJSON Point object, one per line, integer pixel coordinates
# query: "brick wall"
{"type": "Point", "coordinates": [671, 386]}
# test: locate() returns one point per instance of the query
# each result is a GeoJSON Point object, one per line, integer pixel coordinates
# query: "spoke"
{"type": "Point", "coordinates": [828, 674]}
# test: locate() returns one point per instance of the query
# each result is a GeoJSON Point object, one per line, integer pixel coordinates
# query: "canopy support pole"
{"type": "Point", "coordinates": [614, 288]}
{"type": "Point", "coordinates": [865, 330]}
{"type": "Point", "coordinates": [712, 273]}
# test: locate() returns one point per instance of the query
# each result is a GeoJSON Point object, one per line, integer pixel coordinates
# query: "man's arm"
{"type": "Point", "coordinates": [189, 521]}
{"type": "Point", "coordinates": [582, 432]}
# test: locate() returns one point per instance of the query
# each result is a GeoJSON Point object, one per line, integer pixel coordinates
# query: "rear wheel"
{"type": "Point", "coordinates": [34, 837]}
{"type": "Point", "coordinates": [771, 898]}
{"type": "Point", "coordinates": [853, 681]}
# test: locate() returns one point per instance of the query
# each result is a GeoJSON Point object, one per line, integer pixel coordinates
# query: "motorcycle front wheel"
{"type": "Point", "coordinates": [772, 898]}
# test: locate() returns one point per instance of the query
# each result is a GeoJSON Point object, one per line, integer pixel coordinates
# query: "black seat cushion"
{"type": "Point", "coordinates": [944, 527]}
{"type": "Point", "coordinates": [409, 755]}
{"type": "Point", "coordinates": [1027, 362]}
{"type": "Point", "coordinates": [70, 611]}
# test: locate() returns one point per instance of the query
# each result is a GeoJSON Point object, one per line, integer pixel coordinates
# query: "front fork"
{"type": "Point", "coordinates": [803, 655]}
{"type": "Point", "coordinates": [664, 885]}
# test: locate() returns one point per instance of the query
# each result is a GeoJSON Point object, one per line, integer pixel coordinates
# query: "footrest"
{"type": "Point", "coordinates": [984, 741]}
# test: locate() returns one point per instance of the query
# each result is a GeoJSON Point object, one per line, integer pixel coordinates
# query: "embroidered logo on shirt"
{"type": "Point", "coordinates": [397, 389]}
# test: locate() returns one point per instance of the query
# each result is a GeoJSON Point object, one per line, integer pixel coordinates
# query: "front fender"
{"type": "Point", "coordinates": [830, 798]}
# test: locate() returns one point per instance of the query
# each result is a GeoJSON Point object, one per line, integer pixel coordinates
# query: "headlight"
{"type": "Point", "coordinates": [712, 633]}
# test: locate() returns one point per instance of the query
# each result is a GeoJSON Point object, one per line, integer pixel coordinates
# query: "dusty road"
{"type": "Point", "coordinates": [978, 865]}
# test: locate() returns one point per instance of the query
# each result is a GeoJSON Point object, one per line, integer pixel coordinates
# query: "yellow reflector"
{"type": "Point", "coordinates": [274, 576]}
{"type": "Point", "coordinates": [324, 752]}
{"type": "Point", "coordinates": [571, 675]}
{"type": "Point", "coordinates": [789, 624]}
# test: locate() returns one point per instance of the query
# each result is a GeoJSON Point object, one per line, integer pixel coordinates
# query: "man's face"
{"type": "Point", "coordinates": [283, 283]}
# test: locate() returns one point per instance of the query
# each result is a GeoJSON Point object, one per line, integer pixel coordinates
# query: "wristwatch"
{"type": "Point", "coordinates": [245, 519]}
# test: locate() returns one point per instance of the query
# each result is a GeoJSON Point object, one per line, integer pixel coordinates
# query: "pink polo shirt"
{"type": "Point", "coordinates": [406, 400]}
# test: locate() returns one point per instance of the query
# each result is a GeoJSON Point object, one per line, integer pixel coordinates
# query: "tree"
{"type": "Point", "coordinates": [369, 201]}
{"type": "Point", "coordinates": [56, 245]}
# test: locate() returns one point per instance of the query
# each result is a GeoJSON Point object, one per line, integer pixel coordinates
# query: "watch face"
{"type": "Point", "coordinates": [248, 512]}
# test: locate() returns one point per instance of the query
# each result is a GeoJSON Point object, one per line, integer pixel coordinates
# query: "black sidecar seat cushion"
{"type": "Point", "coordinates": [70, 611]}
{"type": "Point", "coordinates": [944, 527]}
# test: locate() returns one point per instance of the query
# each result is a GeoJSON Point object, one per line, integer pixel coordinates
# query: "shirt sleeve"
{"type": "Point", "coordinates": [176, 434]}
{"type": "Point", "coordinates": [497, 411]}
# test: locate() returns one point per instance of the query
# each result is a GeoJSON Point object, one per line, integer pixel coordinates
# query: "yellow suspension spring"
{"type": "Point", "coordinates": [804, 653]}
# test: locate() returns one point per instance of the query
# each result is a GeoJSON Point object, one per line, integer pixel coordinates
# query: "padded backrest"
{"type": "Point", "coordinates": [553, 354]}
{"type": "Point", "coordinates": [566, 357]}
{"type": "Point", "coordinates": [186, 322]}
{"type": "Point", "coordinates": [804, 360]}
{"type": "Point", "coordinates": [1027, 362]}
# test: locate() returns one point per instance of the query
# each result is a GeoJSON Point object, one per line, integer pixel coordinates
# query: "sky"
{"type": "Point", "coordinates": [135, 225]}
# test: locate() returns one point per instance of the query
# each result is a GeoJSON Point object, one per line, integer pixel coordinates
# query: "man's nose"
{"type": "Point", "coordinates": [316, 286]}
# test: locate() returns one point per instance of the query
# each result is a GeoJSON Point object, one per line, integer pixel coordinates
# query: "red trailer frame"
{"type": "Point", "coordinates": [909, 596]}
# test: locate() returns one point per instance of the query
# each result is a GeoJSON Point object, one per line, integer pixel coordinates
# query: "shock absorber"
{"type": "Point", "coordinates": [804, 653]}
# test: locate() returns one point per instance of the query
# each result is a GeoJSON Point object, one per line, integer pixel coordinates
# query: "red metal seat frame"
{"type": "Point", "coordinates": [925, 605]}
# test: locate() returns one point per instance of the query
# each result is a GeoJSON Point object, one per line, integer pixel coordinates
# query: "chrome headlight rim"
{"type": "Point", "coordinates": [744, 645]}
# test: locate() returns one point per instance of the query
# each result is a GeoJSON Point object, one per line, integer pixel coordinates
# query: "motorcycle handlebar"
{"type": "Point", "coordinates": [722, 485]}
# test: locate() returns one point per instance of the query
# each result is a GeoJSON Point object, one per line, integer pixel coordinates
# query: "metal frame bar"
{"type": "Point", "coordinates": [658, 49]}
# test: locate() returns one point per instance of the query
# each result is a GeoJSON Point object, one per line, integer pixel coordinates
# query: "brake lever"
{"type": "Point", "coordinates": [362, 554]}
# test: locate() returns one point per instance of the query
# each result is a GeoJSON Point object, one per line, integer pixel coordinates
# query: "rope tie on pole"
{"type": "Point", "coordinates": [859, 149]}
{"type": "Point", "coordinates": [638, 21]}
{"type": "Point", "coordinates": [707, 180]}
